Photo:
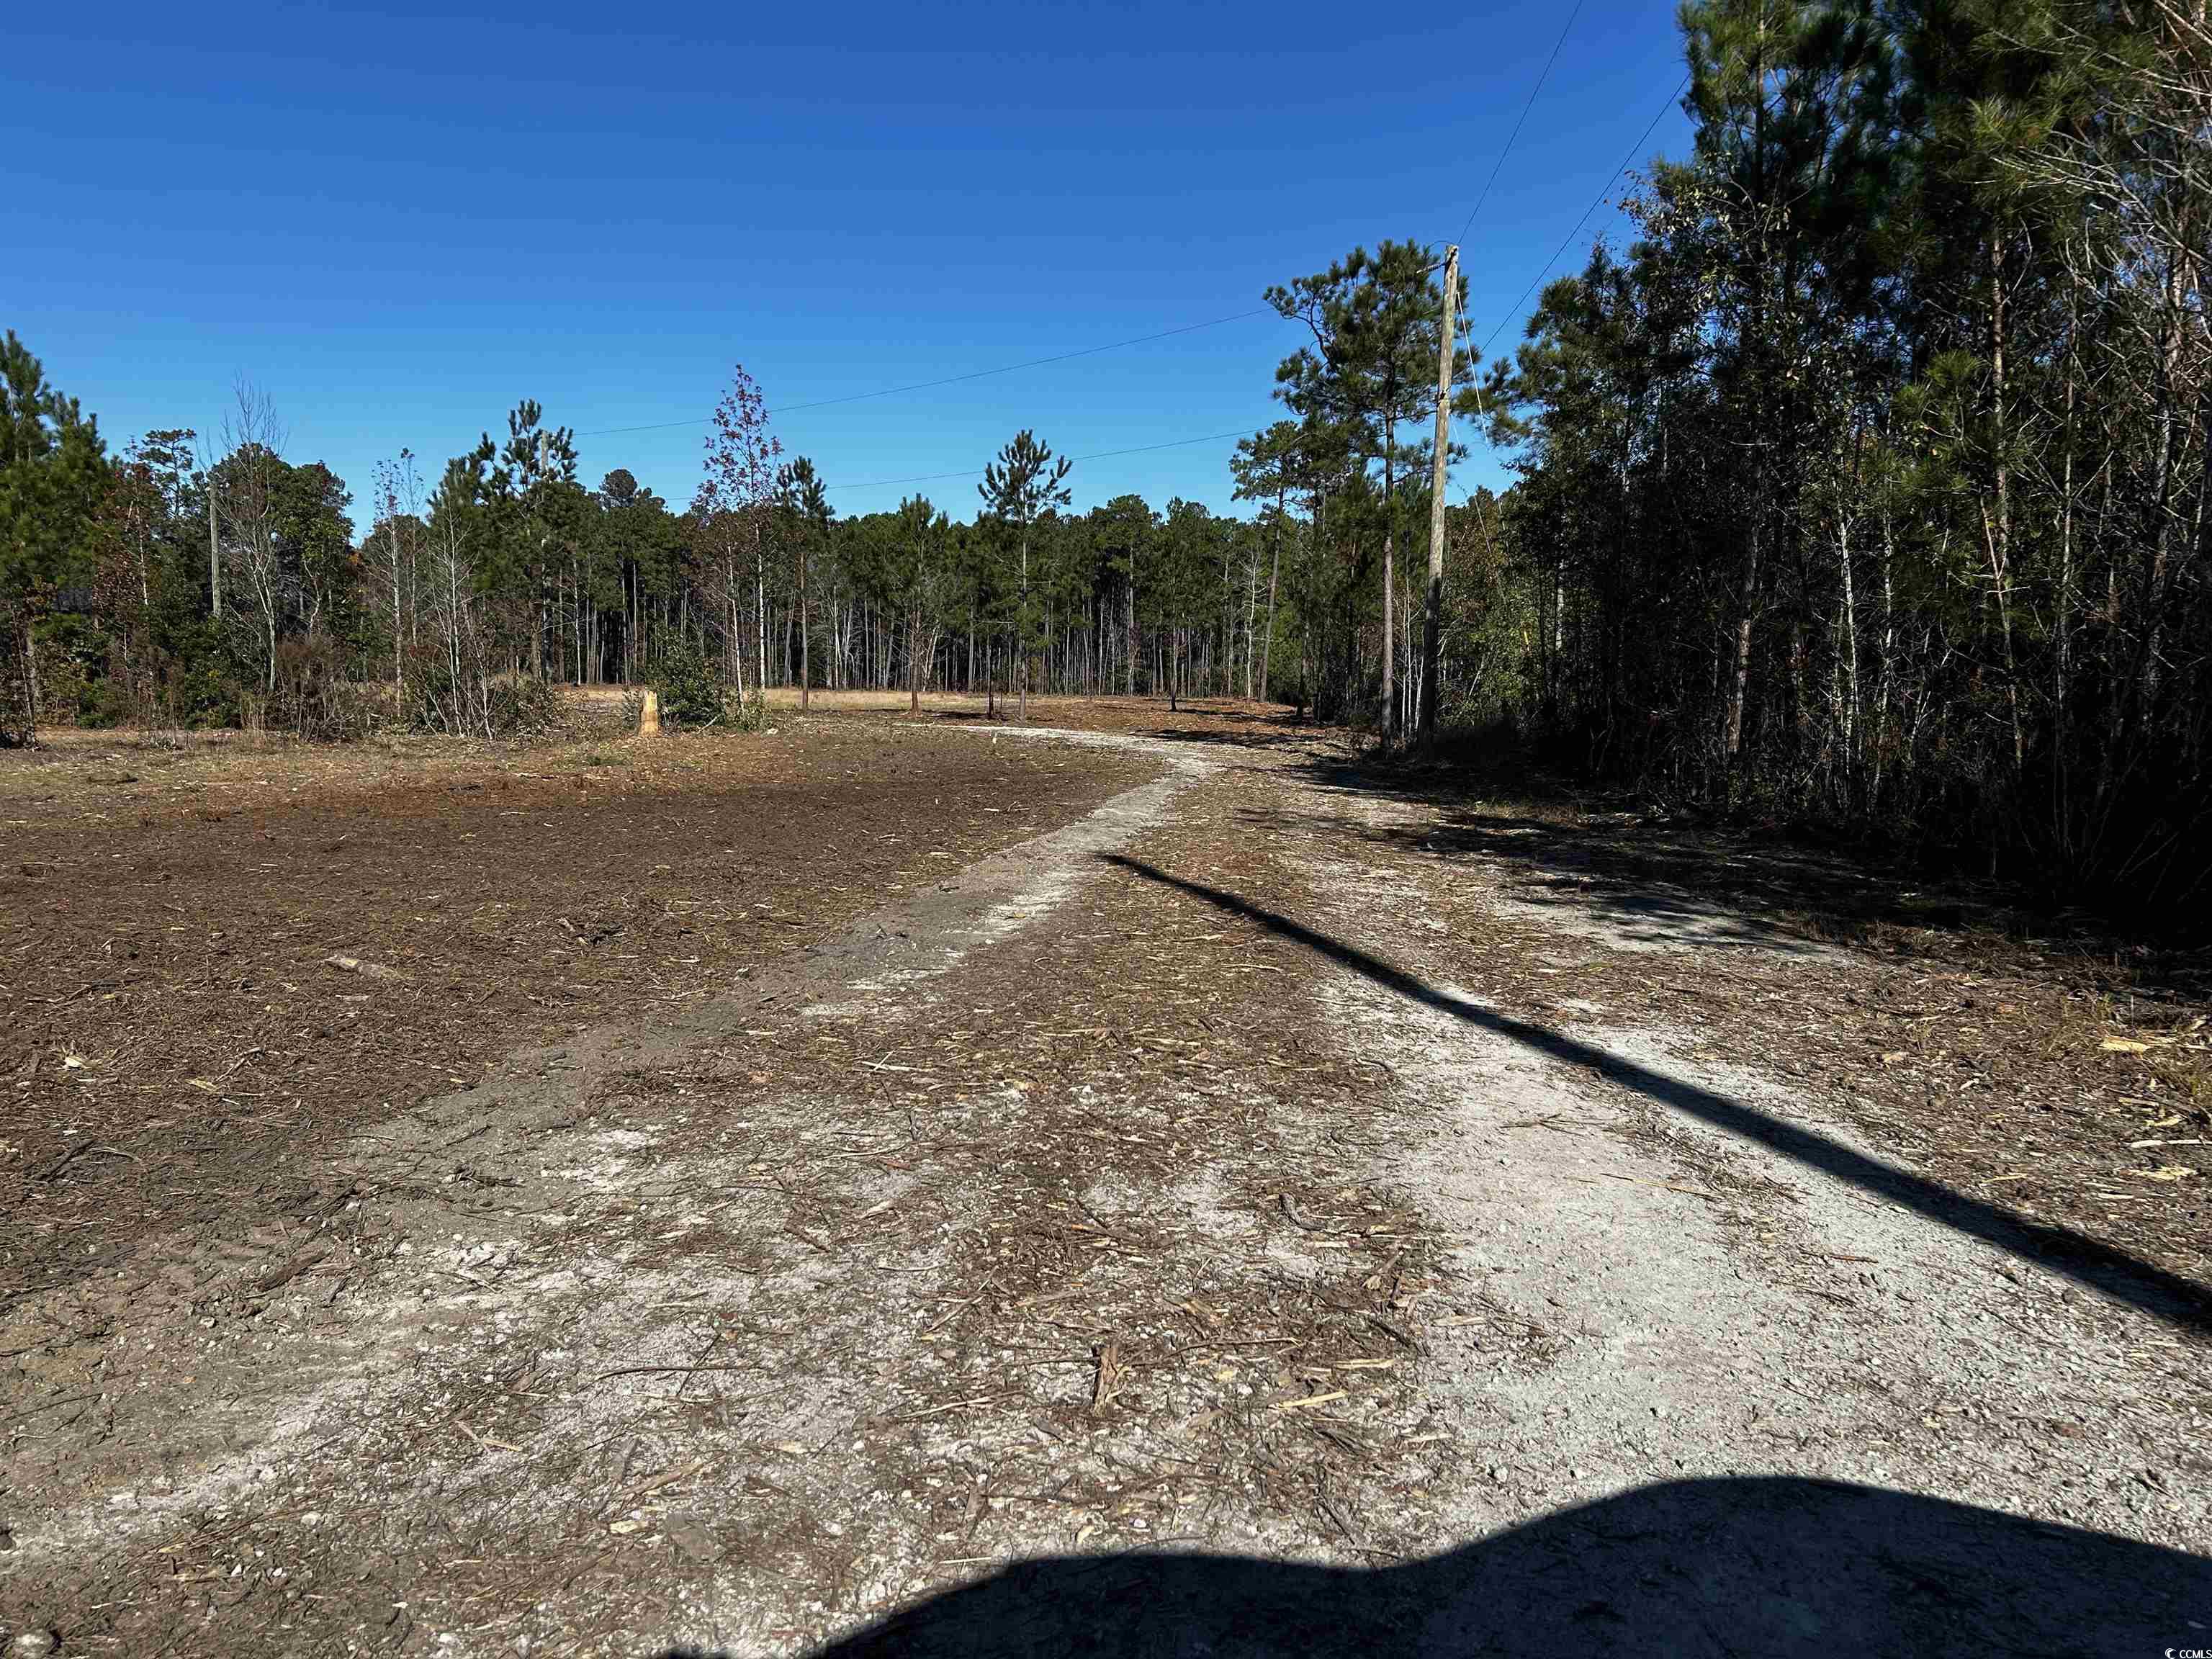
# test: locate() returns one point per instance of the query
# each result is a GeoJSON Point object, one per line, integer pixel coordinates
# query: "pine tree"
{"type": "Point", "coordinates": [1373, 318]}
{"type": "Point", "coordinates": [806, 505]}
{"type": "Point", "coordinates": [1023, 484]}
{"type": "Point", "coordinates": [538, 519]}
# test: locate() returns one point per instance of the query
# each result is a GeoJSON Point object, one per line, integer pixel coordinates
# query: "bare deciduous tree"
{"type": "Point", "coordinates": [243, 484]}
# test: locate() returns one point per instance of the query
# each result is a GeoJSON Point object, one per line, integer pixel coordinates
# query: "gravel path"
{"type": "Point", "coordinates": [1204, 1228]}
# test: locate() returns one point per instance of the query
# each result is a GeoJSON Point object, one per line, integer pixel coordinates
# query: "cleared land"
{"type": "Point", "coordinates": [748, 1187]}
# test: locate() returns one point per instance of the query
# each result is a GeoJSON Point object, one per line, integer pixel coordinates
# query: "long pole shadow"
{"type": "Point", "coordinates": [2111, 1273]}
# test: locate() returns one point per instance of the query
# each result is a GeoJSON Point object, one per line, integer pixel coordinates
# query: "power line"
{"type": "Point", "coordinates": [1191, 328]}
{"type": "Point", "coordinates": [1627, 161]}
{"type": "Point", "coordinates": [950, 379]}
{"type": "Point", "coordinates": [1101, 455]}
{"type": "Point", "coordinates": [1497, 166]}
{"type": "Point", "coordinates": [1220, 437]}
{"type": "Point", "coordinates": [1114, 345]}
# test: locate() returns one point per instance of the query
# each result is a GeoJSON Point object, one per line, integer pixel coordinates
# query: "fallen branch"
{"type": "Point", "coordinates": [667, 1371]}
{"type": "Point", "coordinates": [83, 1149]}
{"type": "Point", "coordinates": [1665, 1186]}
{"type": "Point", "coordinates": [1393, 1331]}
{"type": "Point", "coordinates": [1283, 1200]}
{"type": "Point", "coordinates": [306, 1258]}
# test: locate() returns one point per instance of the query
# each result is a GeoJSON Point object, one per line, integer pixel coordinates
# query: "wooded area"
{"type": "Point", "coordinates": [1869, 486]}
{"type": "Point", "coordinates": [1866, 487]}
{"type": "Point", "coordinates": [162, 587]}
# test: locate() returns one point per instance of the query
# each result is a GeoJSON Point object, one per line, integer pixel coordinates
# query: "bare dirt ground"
{"type": "Point", "coordinates": [1154, 1188]}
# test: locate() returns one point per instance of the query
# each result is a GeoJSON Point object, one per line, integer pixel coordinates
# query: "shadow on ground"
{"type": "Point", "coordinates": [1768, 1566]}
{"type": "Point", "coordinates": [1654, 878]}
{"type": "Point", "coordinates": [1246, 732]}
{"type": "Point", "coordinates": [1669, 883]}
{"type": "Point", "coordinates": [1211, 724]}
{"type": "Point", "coordinates": [2112, 1272]}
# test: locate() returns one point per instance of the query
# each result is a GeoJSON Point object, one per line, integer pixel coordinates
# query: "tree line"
{"type": "Point", "coordinates": [1866, 486]}
{"type": "Point", "coordinates": [1869, 486]}
{"type": "Point", "coordinates": [204, 582]}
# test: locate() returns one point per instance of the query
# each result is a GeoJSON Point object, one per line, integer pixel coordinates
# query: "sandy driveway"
{"type": "Point", "coordinates": [1243, 1208]}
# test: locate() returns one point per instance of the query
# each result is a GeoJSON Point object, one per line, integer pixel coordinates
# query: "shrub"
{"type": "Point", "coordinates": [102, 705]}
{"type": "Point", "coordinates": [748, 713]}
{"type": "Point", "coordinates": [312, 698]}
{"type": "Point", "coordinates": [520, 705]}
{"type": "Point", "coordinates": [689, 692]}
{"type": "Point", "coordinates": [197, 695]}
{"type": "Point", "coordinates": [502, 705]}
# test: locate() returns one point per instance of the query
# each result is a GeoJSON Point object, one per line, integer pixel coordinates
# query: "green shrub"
{"type": "Point", "coordinates": [199, 695]}
{"type": "Point", "coordinates": [692, 694]}
{"type": "Point", "coordinates": [102, 705]}
{"type": "Point", "coordinates": [689, 692]}
{"type": "Point", "coordinates": [748, 713]}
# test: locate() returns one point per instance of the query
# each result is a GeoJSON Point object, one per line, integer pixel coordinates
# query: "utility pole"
{"type": "Point", "coordinates": [214, 562]}
{"type": "Point", "coordinates": [1433, 625]}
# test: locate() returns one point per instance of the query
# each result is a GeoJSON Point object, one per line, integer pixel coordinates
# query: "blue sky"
{"type": "Point", "coordinates": [399, 223]}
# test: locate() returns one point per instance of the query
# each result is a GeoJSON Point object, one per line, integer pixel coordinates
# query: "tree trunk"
{"type": "Point", "coordinates": [1433, 612]}
{"type": "Point", "coordinates": [215, 556]}
{"type": "Point", "coordinates": [1740, 679]}
{"type": "Point", "coordinates": [1131, 662]}
{"type": "Point", "coordinates": [1389, 583]}
{"type": "Point", "coordinates": [2000, 529]}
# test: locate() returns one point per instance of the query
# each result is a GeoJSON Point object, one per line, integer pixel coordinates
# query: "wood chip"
{"type": "Point", "coordinates": [375, 970]}
{"type": "Point", "coordinates": [1106, 1380]}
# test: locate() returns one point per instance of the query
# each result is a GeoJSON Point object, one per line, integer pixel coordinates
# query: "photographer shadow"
{"type": "Point", "coordinates": [1750, 1566]}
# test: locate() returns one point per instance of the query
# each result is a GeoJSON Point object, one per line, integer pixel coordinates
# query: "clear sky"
{"type": "Point", "coordinates": [399, 223]}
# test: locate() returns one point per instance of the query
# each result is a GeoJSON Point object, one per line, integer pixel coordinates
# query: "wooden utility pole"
{"type": "Point", "coordinates": [1432, 627]}
{"type": "Point", "coordinates": [215, 560]}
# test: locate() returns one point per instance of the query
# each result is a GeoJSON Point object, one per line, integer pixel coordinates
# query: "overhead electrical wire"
{"type": "Point", "coordinates": [1476, 354]}
{"type": "Point", "coordinates": [1627, 161]}
{"type": "Point", "coordinates": [1497, 166]}
{"type": "Point", "coordinates": [1511, 138]}
{"type": "Point", "coordinates": [1101, 455]}
{"type": "Point", "coordinates": [949, 379]}
{"type": "Point", "coordinates": [1220, 437]}
{"type": "Point", "coordinates": [1116, 345]}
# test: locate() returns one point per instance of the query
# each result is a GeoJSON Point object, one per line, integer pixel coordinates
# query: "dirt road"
{"type": "Point", "coordinates": [1281, 1215]}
